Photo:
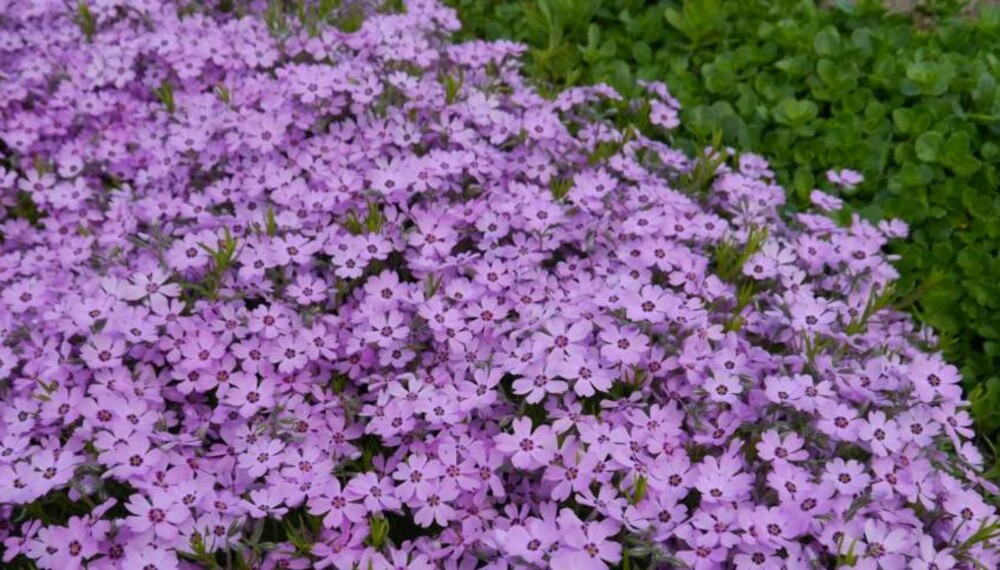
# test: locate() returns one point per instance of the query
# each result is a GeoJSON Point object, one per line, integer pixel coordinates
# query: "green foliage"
{"type": "Point", "coordinates": [222, 259]}
{"type": "Point", "coordinates": [909, 100]}
{"type": "Point", "coordinates": [165, 93]}
{"type": "Point", "coordinates": [85, 19]}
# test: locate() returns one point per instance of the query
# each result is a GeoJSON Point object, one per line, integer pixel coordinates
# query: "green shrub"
{"type": "Point", "coordinates": [909, 100]}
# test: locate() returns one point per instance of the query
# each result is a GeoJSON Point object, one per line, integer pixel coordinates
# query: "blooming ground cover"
{"type": "Point", "coordinates": [910, 100]}
{"type": "Point", "coordinates": [322, 288]}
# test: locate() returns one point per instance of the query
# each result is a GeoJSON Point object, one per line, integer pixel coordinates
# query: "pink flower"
{"type": "Point", "coordinates": [723, 388]}
{"type": "Point", "coordinates": [527, 449]}
{"type": "Point", "coordinates": [538, 381]}
{"type": "Point", "coordinates": [885, 546]}
{"type": "Point", "coordinates": [387, 330]}
{"type": "Point", "coordinates": [250, 396]}
{"type": "Point", "coordinates": [417, 477]}
{"type": "Point", "coordinates": [880, 433]}
{"type": "Point", "coordinates": [587, 545]}
{"type": "Point", "coordinates": [159, 514]}
{"type": "Point", "coordinates": [777, 527]}
{"type": "Point", "coordinates": [531, 542]}
{"type": "Point", "coordinates": [848, 477]}
{"type": "Point", "coordinates": [335, 506]}
{"type": "Point", "coordinates": [151, 556]}
{"type": "Point", "coordinates": [563, 341]}
{"type": "Point", "coordinates": [103, 351]}
{"type": "Point", "coordinates": [376, 494]}
{"type": "Point", "coordinates": [623, 346]}
{"type": "Point", "coordinates": [288, 353]}
{"type": "Point", "coordinates": [261, 457]}
{"type": "Point", "coordinates": [773, 447]}
{"type": "Point", "coordinates": [845, 178]}
{"type": "Point", "coordinates": [64, 547]}
{"type": "Point", "coordinates": [436, 507]}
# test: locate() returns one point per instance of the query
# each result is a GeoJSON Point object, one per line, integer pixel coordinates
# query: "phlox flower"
{"type": "Point", "coordinates": [307, 289]}
{"type": "Point", "coordinates": [931, 558]}
{"type": "Point", "coordinates": [335, 506]}
{"type": "Point", "coordinates": [845, 178]}
{"type": "Point", "coordinates": [848, 477]}
{"type": "Point", "coordinates": [623, 346]}
{"type": "Point", "coordinates": [527, 448]}
{"type": "Point", "coordinates": [250, 396]}
{"type": "Point", "coordinates": [376, 494]}
{"type": "Point", "coordinates": [777, 526]}
{"type": "Point", "coordinates": [532, 541]}
{"type": "Point", "coordinates": [288, 353]}
{"type": "Point", "coordinates": [436, 507]}
{"type": "Point", "coordinates": [133, 458]}
{"type": "Point", "coordinates": [702, 553]}
{"type": "Point", "coordinates": [586, 545]}
{"type": "Point", "coordinates": [159, 514]}
{"type": "Point", "coordinates": [150, 555]}
{"type": "Point", "coordinates": [811, 315]}
{"type": "Point", "coordinates": [64, 547]}
{"type": "Point", "coordinates": [884, 546]}
{"type": "Point", "coordinates": [825, 201]}
{"type": "Point", "coordinates": [152, 285]}
{"type": "Point", "coordinates": [538, 381]}
{"type": "Point", "coordinates": [104, 351]}
{"type": "Point", "coordinates": [269, 321]}
{"type": "Point", "coordinates": [773, 447]}
{"type": "Point", "coordinates": [386, 330]}
{"type": "Point", "coordinates": [417, 477]}
{"type": "Point", "coordinates": [563, 341]}
{"type": "Point", "coordinates": [723, 388]}
{"type": "Point", "coordinates": [880, 433]}
{"type": "Point", "coordinates": [261, 457]}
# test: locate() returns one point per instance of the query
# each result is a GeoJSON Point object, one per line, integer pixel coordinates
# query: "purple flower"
{"type": "Point", "coordinates": [527, 448]}
{"type": "Point", "coordinates": [773, 447]}
{"type": "Point", "coordinates": [159, 514]}
{"type": "Point", "coordinates": [845, 178]}
{"type": "Point", "coordinates": [623, 346]}
{"type": "Point", "coordinates": [335, 506]}
{"type": "Point", "coordinates": [103, 352]}
{"type": "Point", "coordinates": [848, 477]}
{"type": "Point", "coordinates": [417, 477]}
{"type": "Point", "coordinates": [376, 494]}
{"type": "Point", "coordinates": [880, 433]}
{"type": "Point", "coordinates": [586, 545]}
{"type": "Point", "coordinates": [280, 267]}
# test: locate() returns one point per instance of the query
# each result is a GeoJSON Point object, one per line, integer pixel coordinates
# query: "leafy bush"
{"type": "Point", "coordinates": [320, 288]}
{"type": "Point", "coordinates": [911, 101]}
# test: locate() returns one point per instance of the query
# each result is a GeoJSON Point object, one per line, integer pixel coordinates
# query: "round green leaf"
{"type": "Point", "coordinates": [929, 145]}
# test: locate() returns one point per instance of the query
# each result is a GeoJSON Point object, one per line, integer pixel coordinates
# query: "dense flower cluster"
{"type": "Point", "coordinates": [297, 296]}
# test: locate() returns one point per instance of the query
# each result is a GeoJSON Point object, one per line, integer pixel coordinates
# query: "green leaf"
{"type": "Point", "coordinates": [928, 146]}
{"type": "Point", "coordinates": [793, 112]}
{"type": "Point", "coordinates": [928, 78]}
{"type": "Point", "coordinates": [827, 42]}
{"type": "Point", "coordinates": [701, 21]}
{"type": "Point", "coordinates": [642, 53]}
{"type": "Point", "coordinates": [804, 182]}
{"type": "Point", "coordinates": [985, 93]}
{"type": "Point", "coordinates": [795, 66]}
{"type": "Point", "coordinates": [165, 93]}
{"type": "Point", "coordinates": [85, 19]}
{"type": "Point", "coordinates": [914, 175]}
{"type": "Point", "coordinates": [957, 154]}
{"type": "Point", "coordinates": [719, 77]}
{"type": "Point", "coordinates": [974, 262]}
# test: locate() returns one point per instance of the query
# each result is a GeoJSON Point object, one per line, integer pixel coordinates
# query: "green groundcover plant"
{"type": "Point", "coordinates": [908, 100]}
